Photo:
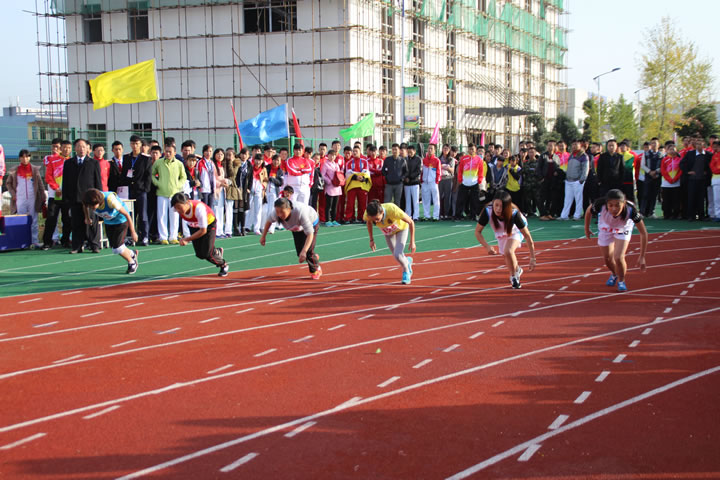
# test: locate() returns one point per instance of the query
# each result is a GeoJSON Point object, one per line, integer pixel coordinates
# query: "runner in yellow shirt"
{"type": "Point", "coordinates": [395, 224]}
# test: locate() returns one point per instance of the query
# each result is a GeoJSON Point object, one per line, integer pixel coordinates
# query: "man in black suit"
{"type": "Point", "coordinates": [695, 167]}
{"type": "Point", "coordinates": [81, 173]}
{"type": "Point", "coordinates": [135, 175]}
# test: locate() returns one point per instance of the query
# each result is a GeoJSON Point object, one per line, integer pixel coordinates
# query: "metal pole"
{"type": "Point", "coordinates": [402, 70]}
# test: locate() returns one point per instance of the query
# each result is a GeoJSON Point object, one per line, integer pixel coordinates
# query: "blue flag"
{"type": "Point", "coordinates": [266, 126]}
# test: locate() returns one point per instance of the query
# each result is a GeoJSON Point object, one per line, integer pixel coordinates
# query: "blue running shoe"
{"type": "Point", "coordinates": [406, 278]}
{"type": "Point", "coordinates": [410, 262]}
{"type": "Point", "coordinates": [611, 281]}
{"type": "Point", "coordinates": [622, 287]}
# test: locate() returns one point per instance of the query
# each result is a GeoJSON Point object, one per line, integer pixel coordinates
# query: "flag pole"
{"type": "Point", "coordinates": [160, 115]}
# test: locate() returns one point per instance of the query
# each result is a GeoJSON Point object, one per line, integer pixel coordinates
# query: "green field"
{"type": "Point", "coordinates": [32, 271]}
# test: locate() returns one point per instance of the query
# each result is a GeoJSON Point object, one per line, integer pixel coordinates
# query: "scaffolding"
{"type": "Point", "coordinates": [479, 63]}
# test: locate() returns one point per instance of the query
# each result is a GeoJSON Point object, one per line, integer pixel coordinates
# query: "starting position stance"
{"type": "Point", "coordinates": [201, 220]}
{"type": "Point", "coordinates": [395, 224]}
{"type": "Point", "coordinates": [616, 217]}
{"type": "Point", "coordinates": [302, 220]}
{"type": "Point", "coordinates": [117, 220]}
{"type": "Point", "coordinates": [509, 226]}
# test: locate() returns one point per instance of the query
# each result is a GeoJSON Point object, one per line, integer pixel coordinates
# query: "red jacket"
{"type": "Point", "coordinates": [670, 168]}
{"type": "Point", "coordinates": [715, 164]}
{"type": "Point", "coordinates": [54, 171]}
{"type": "Point", "coordinates": [104, 172]}
{"type": "Point", "coordinates": [431, 164]}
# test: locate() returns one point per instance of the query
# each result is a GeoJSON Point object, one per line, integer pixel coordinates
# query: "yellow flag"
{"type": "Point", "coordinates": [133, 84]}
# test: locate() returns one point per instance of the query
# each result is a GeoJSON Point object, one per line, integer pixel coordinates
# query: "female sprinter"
{"type": "Point", "coordinates": [616, 217]}
{"type": "Point", "coordinates": [509, 226]}
{"type": "Point", "coordinates": [395, 224]}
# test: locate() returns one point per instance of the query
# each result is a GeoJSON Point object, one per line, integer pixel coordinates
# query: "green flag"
{"type": "Point", "coordinates": [363, 128]}
{"type": "Point", "coordinates": [410, 47]}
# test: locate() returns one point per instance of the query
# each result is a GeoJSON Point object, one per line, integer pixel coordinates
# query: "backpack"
{"type": "Point", "coordinates": [318, 181]}
{"type": "Point", "coordinates": [338, 179]}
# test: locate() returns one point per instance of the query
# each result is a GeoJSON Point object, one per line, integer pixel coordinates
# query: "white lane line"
{"type": "Point", "coordinates": [277, 301]}
{"type": "Point", "coordinates": [472, 277]}
{"type": "Point", "coordinates": [708, 268]}
{"type": "Point", "coordinates": [330, 287]}
{"type": "Point", "coordinates": [209, 320]}
{"type": "Point", "coordinates": [266, 352]}
{"type": "Point", "coordinates": [498, 323]}
{"type": "Point", "coordinates": [299, 429]}
{"type": "Point", "coordinates": [101, 412]}
{"type": "Point", "coordinates": [238, 462]}
{"type": "Point", "coordinates": [451, 348]}
{"type": "Point", "coordinates": [353, 280]}
{"type": "Point", "coordinates": [437, 290]}
{"type": "Point", "coordinates": [284, 271]}
{"type": "Point", "coordinates": [170, 297]}
{"type": "Point", "coordinates": [658, 319]}
{"type": "Point", "coordinates": [577, 423]}
{"type": "Point", "coordinates": [475, 335]}
{"type": "Point", "coordinates": [619, 358]}
{"type": "Point", "coordinates": [373, 274]}
{"type": "Point", "coordinates": [575, 281]}
{"type": "Point", "coordinates": [527, 455]}
{"type": "Point", "coordinates": [257, 278]}
{"type": "Point", "coordinates": [683, 293]}
{"type": "Point", "coordinates": [393, 269]}
{"type": "Point", "coordinates": [224, 367]}
{"type": "Point", "coordinates": [71, 293]}
{"type": "Point", "coordinates": [634, 344]}
{"type": "Point", "coordinates": [534, 304]}
{"type": "Point", "coordinates": [646, 331]}
{"type": "Point", "coordinates": [597, 269]}
{"type": "Point", "coordinates": [246, 310]}
{"type": "Point", "coordinates": [123, 344]}
{"type": "Point", "coordinates": [43, 325]}
{"type": "Point", "coordinates": [668, 310]}
{"type": "Point", "coordinates": [676, 301]}
{"type": "Point", "coordinates": [692, 285]}
{"type": "Point", "coordinates": [558, 421]}
{"type": "Point", "coordinates": [441, 256]}
{"type": "Point", "coordinates": [366, 316]}
{"type": "Point", "coordinates": [423, 363]}
{"type": "Point", "coordinates": [416, 299]}
{"type": "Point", "coordinates": [455, 283]}
{"type": "Point", "coordinates": [135, 305]}
{"type": "Point", "coordinates": [168, 331]}
{"type": "Point", "coordinates": [564, 287]}
{"type": "Point", "coordinates": [303, 339]}
{"type": "Point", "coordinates": [336, 327]}
{"type": "Point", "coordinates": [3, 333]}
{"type": "Point", "coordinates": [74, 357]}
{"type": "Point", "coordinates": [24, 440]}
{"type": "Point", "coordinates": [455, 251]}
{"type": "Point", "coordinates": [31, 300]}
{"type": "Point", "coordinates": [550, 295]}
{"type": "Point", "coordinates": [582, 397]}
{"type": "Point", "coordinates": [91, 314]}
{"type": "Point", "coordinates": [388, 382]}
{"type": "Point", "coordinates": [392, 307]}
{"type": "Point", "coordinates": [603, 375]}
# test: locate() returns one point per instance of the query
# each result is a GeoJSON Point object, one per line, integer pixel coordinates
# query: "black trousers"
{"type": "Point", "coordinates": [141, 214]}
{"type": "Point", "coordinates": [517, 199]}
{"type": "Point", "coordinates": [55, 209]}
{"type": "Point", "coordinates": [152, 215]}
{"type": "Point", "coordinates": [696, 198]}
{"type": "Point", "coordinates": [116, 234]}
{"type": "Point", "coordinates": [629, 190]}
{"type": "Point", "coordinates": [672, 202]}
{"type": "Point", "coordinates": [313, 260]}
{"type": "Point", "coordinates": [82, 232]}
{"type": "Point", "coordinates": [331, 207]}
{"type": "Point", "coordinates": [468, 194]}
{"type": "Point", "coordinates": [652, 186]}
{"type": "Point", "coordinates": [205, 246]}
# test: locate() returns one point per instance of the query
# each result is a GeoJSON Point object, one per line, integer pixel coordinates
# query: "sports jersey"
{"type": "Point", "coordinates": [302, 218]}
{"type": "Point", "coordinates": [472, 170]}
{"type": "Point", "coordinates": [392, 221]}
{"type": "Point", "coordinates": [109, 209]}
{"type": "Point", "coordinates": [200, 215]}
{"type": "Point", "coordinates": [517, 219]}
{"type": "Point", "coordinates": [53, 174]}
{"type": "Point", "coordinates": [670, 170]}
{"type": "Point", "coordinates": [622, 224]}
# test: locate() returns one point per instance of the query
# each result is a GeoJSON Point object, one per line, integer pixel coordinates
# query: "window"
{"type": "Point", "coordinates": [482, 5]}
{"type": "Point", "coordinates": [138, 28]}
{"type": "Point", "coordinates": [97, 133]}
{"type": "Point", "coordinates": [142, 130]}
{"type": "Point", "coordinates": [528, 5]}
{"type": "Point", "coordinates": [270, 16]}
{"type": "Point", "coordinates": [88, 91]}
{"type": "Point", "coordinates": [92, 24]}
{"type": "Point", "coordinates": [482, 51]}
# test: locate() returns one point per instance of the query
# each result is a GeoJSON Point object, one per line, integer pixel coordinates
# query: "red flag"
{"type": "Point", "coordinates": [482, 139]}
{"type": "Point", "coordinates": [435, 138]}
{"type": "Point", "coordinates": [237, 128]}
{"type": "Point", "coordinates": [296, 125]}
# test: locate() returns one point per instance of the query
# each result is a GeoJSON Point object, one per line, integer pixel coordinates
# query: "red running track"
{"type": "Point", "coordinates": [265, 374]}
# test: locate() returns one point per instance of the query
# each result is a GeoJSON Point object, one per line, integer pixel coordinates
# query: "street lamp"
{"type": "Point", "coordinates": [597, 79]}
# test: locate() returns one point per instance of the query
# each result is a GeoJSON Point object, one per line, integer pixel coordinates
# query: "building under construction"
{"type": "Point", "coordinates": [479, 65]}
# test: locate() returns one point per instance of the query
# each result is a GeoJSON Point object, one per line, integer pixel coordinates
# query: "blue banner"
{"type": "Point", "coordinates": [266, 126]}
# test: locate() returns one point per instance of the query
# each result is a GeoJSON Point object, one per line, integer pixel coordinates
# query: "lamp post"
{"type": "Point", "coordinates": [597, 79]}
{"type": "Point", "coordinates": [639, 114]}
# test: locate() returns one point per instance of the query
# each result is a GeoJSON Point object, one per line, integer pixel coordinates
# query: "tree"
{"type": "Point", "coordinates": [566, 128]}
{"type": "Point", "coordinates": [596, 110]}
{"type": "Point", "coordinates": [676, 78]}
{"type": "Point", "coordinates": [700, 120]}
{"type": "Point", "coordinates": [541, 135]}
{"type": "Point", "coordinates": [448, 135]}
{"type": "Point", "coordinates": [621, 118]}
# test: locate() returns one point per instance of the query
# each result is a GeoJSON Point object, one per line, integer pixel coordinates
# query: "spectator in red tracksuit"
{"type": "Point", "coordinates": [323, 151]}
{"type": "Point", "coordinates": [356, 172]}
{"type": "Point", "coordinates": [53, 177]}
{"type": "Point", "coordinates": [670, 183]}
{"type": "Point", "coordinates": [375, 164]}
{"type": "Point", "coordinates": [429, 180]}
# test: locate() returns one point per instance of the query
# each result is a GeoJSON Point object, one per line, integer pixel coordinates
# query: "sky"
{"type": "Point", "coordinates": [605, 34]}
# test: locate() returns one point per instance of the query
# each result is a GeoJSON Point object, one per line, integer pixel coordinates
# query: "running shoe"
{"type": "Point", "coordinates": [164, 242]}
{"type": "Point", "coordinates": [224, 270]}
{"type": "Point", "coordinates": [515, 282]}
{"type": "Point", "coordinates": [174, 242]}
{"type": "Point", "coordinates": [406, 278]}
{"type": "Point", "coordinates": [611, 281]}
{"type": "Point", "coordinates": [519, 272]}
{"type": "Point", "coordinates": [316, 274]}
{"type": "Point", "coordinates": [622, 287]}
{"type": "Point", "coordinates": [132, 267]}
{"type": "Point", "coordinates": [410, 262]}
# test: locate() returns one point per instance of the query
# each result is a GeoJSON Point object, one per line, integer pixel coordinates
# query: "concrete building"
{"type": "Point", "coordinates": [31, 129]}
{"type": "Point", "coordinates": [570, 101]}
{"type": "Point", "coordinates": [480, 65]}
